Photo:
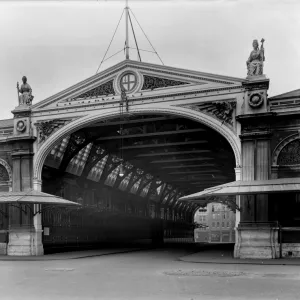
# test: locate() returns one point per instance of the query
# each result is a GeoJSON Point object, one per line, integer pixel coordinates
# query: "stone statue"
{"type": "Point", "coordinates": [26, 93]}
{"type": "Point", "coordinates": [256, 59]}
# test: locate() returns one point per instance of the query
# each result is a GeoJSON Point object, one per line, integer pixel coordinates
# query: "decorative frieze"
{"type": "Point", "coordinates": [104, 89]}
{"type": "Point", "coordinates": [152, 82]}
{"type": "Point", "coordinates": [222, 110]}
{"type": "Point", "coordinates": [46, 128]}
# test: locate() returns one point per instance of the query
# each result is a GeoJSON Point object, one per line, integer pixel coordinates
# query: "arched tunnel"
{"type": "Point", "coordinates": [128, 173]}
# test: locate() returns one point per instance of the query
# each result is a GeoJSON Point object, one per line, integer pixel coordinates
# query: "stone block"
{"type": "Point", "coordinates": [257, 242]}
{"type": "Point", "coordinates": [25, 241]}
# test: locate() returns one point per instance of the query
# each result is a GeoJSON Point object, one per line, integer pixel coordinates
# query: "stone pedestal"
{"type": "Point", "coordinates": [257, 241]}
{"type": "Point", "coordinates": [25, 241]}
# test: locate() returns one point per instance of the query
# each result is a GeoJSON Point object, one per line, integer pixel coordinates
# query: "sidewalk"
{"type": "Point", "coordinates": [70, 255]}
{"type": "Point", "coordinates": [225, 256]}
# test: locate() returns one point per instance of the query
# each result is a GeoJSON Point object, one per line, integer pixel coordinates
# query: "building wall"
{"type": "Point", "coordinates": [217, 224]}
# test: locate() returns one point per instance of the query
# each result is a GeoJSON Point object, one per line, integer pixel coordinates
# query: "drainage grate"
{"type": "Point", "coordinates": [204, 273]}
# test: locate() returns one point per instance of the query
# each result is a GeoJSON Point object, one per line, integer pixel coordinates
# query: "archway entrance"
{"type": "Point", "coordinates": [128, 174]}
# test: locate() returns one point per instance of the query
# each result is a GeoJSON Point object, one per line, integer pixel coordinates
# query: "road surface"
{"type": "Point", "coordinates": [150, 274]}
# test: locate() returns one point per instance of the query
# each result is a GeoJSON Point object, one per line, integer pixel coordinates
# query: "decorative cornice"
{"type": "Point", "coordinates": [162, 97]}
{"type": "Point", "coordinates": [183, 75]}
{"type": "Point", "coordinates": [256, 85]}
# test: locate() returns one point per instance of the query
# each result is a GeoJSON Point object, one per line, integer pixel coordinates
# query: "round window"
{"type": "Point", "coordinates": [128, 82]}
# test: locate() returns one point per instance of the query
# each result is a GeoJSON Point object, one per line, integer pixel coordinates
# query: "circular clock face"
{"type": "Point", "coordinates": [128, 82]}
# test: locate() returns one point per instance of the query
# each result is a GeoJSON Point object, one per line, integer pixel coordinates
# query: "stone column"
{"type": "Point", "coordinates": [257, 237]}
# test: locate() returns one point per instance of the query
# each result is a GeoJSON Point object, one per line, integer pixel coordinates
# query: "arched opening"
{"type": "Point", "coordinates": [128, 174]}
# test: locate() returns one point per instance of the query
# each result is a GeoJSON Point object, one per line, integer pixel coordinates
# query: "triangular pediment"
{"type": "Point", "coordinates": [137, 79]}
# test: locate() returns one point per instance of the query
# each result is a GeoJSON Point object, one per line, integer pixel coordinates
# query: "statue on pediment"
{"type": "Point", "coordinates": [256, 59]}
{"type": "Point", "coordinates": [26, 92]}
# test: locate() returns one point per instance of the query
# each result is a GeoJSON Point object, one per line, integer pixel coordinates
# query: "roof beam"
{"type": "Point", "coordinates": [164, 133]}
{"type": "Point", "coordinates": [202, 179]}
{"type": "Point", "coordinates": [190, 166]}
{"type": "Point", "coordinates": [206, 183]}
{"type": "Point", "coordinates": [195, 172]}
{"type": "Point", "coordinates": [202, 172]}
{"type": "Point", "coordinates": [172, 153]}
{"type": "Point", "coordinates": [163, 145]}
{"type": "Point", "coordinates": [183, 159]}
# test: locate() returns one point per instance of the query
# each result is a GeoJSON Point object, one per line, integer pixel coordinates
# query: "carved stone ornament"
{"type": "Point", "coordinates": [256, 100]}
{"type": "Point", "coordinates": [223, 110]}
{"type": "Point", "coordinates": [290, 154]}
{"type": "Point", "coordinates": [46, 128]}
{"type": "Point", "coordinates": [21, 126]}
{"type": "Point", "coordinates": [101, 90]}
{"type": "Point", "coordinates": [151, 82]}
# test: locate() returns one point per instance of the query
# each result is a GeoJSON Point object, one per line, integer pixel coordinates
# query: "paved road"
{"type": "Point", "coordinates": [152, 274]}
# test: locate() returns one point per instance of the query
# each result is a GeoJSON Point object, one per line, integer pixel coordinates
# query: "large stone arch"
{"type": "Point", "coordinates": [197, 116]}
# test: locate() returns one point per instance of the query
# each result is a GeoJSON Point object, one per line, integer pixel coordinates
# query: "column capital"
{"type": "Point", "coordinates": [37, 184]}
{"type": "Point", "coordinates": [238, 173]}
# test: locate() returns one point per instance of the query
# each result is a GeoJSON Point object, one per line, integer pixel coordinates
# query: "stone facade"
{"type": "Point", "coordinates": [263, 133]}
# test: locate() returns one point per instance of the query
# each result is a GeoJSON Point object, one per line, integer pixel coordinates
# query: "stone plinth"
{"type": "Point", "coordinates": [257, 241]}
{"type": "Point", "coordinates": [25, 241]}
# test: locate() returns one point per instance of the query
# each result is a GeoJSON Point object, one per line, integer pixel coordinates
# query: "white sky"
{"type": "Point", "coordinates": [59, 43]}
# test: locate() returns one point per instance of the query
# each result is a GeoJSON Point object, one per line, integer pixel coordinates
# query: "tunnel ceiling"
{"type": "Point", "coordinates": [164, 157]}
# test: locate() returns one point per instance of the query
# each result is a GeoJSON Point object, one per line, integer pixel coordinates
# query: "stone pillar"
{"type": "Point", "coordinates": [238, 202]}
{"type": "Point", "coordinates": [257, 237]}
{"type": "Point", "coordinates": [25, 232]}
